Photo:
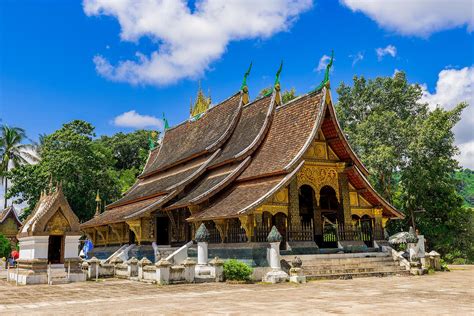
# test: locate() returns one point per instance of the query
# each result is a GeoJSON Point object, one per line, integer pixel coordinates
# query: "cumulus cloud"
{"type": "Point", "coordinates": [455, 86]}
{"type": "Point", "coordinates": [416, 17]}
{"type": "Point", "coordinates": [136, 120]}
{"type": "Point", "coordinates": [187, 40]}
{"type": "Point", "coordinates": [323, 62]}
{"type": "Point", "coordinates": [389, 50]}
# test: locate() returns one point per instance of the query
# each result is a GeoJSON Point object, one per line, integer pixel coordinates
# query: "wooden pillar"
{"type": "Point", "coordinates": [346, 202]}
{"type": "Point", "coordinates": [293, 203]}
{"type": "Point", "coordinates": [378, 222]}
{"type": "Point", "coordinates": [221, 225]}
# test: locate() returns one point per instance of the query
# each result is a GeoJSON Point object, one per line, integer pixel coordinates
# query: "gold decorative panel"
{"type": "Point", "coordinates": [318, 177]}
{"type": "Point", "coordinates": [353, 198]}
{"type": "Point", "coordinates": [57, 224]}
{"type": "Point", "coordinates": [9, 227]}
{"type": "Point", "coordinates": [273, 209]}
{"type": "Point", "coordinates": [281, 196]}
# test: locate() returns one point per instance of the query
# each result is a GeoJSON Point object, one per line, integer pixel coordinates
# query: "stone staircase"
{"type": "Point", "coordinates": [58, 274]}
{"type": "Point", "coordinates": [349, 265]}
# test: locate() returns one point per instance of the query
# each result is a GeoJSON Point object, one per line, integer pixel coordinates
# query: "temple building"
{"type": "Point", "coordinates": [9, 224]}
{"type": "Point", "coordinates": [241, 167]}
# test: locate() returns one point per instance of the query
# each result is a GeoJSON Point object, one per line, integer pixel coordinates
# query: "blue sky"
{"type": "Point", "coordinates": [49, 54]}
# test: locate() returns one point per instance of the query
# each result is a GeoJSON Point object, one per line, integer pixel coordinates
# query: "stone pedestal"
{"type": "Point", "coordinates": [273, 255]}
{"type": "Point", "coordinates": [297, 276]}
{"type": "Point", "coordinates": [189, 270]}
{"type": "Point", "coordinates": [141, 264]}
{"type": "Point", "coordinates": [217, 270]}
{"type": "Point", "coordinates": [132, 267]}
{"type": "Point", "coordinates": [93, 271]}
{"type": "Point", "coordinates": [163, 272]}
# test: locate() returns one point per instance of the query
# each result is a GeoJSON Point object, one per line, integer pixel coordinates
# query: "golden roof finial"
{"type": "Point", "coordinates": [98, 204]}
{"type": "Point", "coordinates": [202, 103]}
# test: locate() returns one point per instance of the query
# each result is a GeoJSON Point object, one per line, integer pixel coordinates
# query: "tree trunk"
{"type": "Point", "coordinates": [5, 193]}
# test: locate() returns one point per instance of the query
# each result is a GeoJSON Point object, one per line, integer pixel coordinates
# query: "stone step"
{"type": "Point", "coordinates": [356, 275]}
{"type": "Point", "coordinates": [336, 270]}
{"type": "Point", "coordinates": [332, 262]}
{"type": "Point", "coordinates": [204, 279]}
{"type": "Point", "coordinates": [350, 265]}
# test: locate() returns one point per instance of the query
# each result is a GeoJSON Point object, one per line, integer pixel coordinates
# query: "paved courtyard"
{"type": "Point", "coordinates": [441, 293]}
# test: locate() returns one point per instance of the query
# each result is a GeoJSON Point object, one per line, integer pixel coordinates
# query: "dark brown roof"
{"type": "Point", "coordinates": [250, 130]}
{"type": "Point", "coordinates": [196, 137]}
{"type": "Point", "coordinates": [211, 184]}
{"type": "Point", "coordinates": [243, 197]}
{"type": "Point", "coordinates": [292, 127]}
{"type": "Point", "coordinates": [237, 198]}
{"type": "Point", "coordinates": [118, 214]}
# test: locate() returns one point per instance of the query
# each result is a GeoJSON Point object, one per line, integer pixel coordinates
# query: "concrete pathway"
{"type": "Point", "coordinates": [439, 294]}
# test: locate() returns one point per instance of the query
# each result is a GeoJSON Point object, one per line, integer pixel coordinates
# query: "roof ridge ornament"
{"type": "Point", "coordinates": [244, 88]}
{"type": "Point", "coordinates": [325, 82]}
{"type": "Point", "coordinates": [276, 85]}
{"type": "Point", "coordinates": [151, 140]}
{"type": "Point", "coordinates": [201, 105]}
{"type": "Point", "coordinates": [165, 121]}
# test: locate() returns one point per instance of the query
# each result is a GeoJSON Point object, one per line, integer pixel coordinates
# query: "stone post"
{"type": "Point", "coordinates": [189, 270]}
{"type": "Point", "coordinates": [202, 239]}
{"type": "Point", "coordinates": [217, 269]}
{"type": "Point", "coordinates": [93, 271]}
{"type": "Point", "coordinates": [296, 273]}
{"type": "Point", "coordinates": [142, 263]}
{"type": "Point", "coordinates": [132, 270]}
{"type": "Point", "coordinates": [163, 272]}
{"type": "Point", "coordinates": [273, 257]}
{"type": "Point", "coordinates": [116, 261]}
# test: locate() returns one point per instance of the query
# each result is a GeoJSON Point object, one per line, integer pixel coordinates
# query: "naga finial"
{"type": "Point", "coordinates": [247, 73]}
{"type": "Point", "coordinates": [277, 76]}
{"type": "Point", "coordinates": [165, 121]}
{"type": "Point", "coordinates": [325, 81]}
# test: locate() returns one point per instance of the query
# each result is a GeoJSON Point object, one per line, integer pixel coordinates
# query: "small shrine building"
{"type": "Point", "coordinates": [9, 224]}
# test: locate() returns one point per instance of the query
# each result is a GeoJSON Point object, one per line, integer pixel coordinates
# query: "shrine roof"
{"type": "Point", "coordinates": [6, 212]}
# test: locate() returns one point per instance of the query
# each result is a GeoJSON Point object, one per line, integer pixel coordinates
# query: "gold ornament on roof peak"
{"type": "Point", "coordinates": [202, 103]}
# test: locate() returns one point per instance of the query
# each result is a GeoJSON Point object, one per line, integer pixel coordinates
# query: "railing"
{"type": "Point", "coordinates": [301, 232]}
{"type": "Point", "coordinates": [260, 233]}
{"type": "Point", "coordinates": [214, 236]}
{"type": "Point", "coordinates": [330, 234]}
{"type": "Point", "coordinates": [236, 235]}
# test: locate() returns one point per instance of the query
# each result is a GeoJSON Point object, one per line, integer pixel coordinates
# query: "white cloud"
{"type": "Point", "coordinates": [136, 120]}
{"type": "Point", "coordinates": [356, 58]}
{"type": "Point", "coordinates": [323, 62]}
{"type": "Point", "coordinates": [389, 50]}
{"type": "Point", "coordinates": [187, 42]}
{"type": "Point", "coordinates": [455, 86]}
{"type": "Point", "coordinates": [416, 17]}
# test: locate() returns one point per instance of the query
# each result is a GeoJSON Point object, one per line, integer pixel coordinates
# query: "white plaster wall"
{"type": "Point", "coordinates": [35, 247]}
{"type": "Point", "coordinates": [71, 245]}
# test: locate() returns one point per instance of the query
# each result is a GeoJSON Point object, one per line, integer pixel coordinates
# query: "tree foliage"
{"type": "Point", "coordinates": [69, 155]}
{"type": "Point", "coordinates": [409, 151]}
{"type": "Point", "coordinates": [5, 247]}
{"type": "Point", "coordinates": [286, 96]}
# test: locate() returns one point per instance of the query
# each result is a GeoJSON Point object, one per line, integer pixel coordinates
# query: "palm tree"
{"type": "Point", "coordinates": [12, 152]}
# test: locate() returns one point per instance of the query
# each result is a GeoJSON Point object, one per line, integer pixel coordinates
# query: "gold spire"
{"type": "Point", "coordinates": [98, 204]}
{"type": "Point", "coordinates": [202, 103]}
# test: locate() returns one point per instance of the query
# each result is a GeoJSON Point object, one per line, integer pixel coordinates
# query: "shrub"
{"type": "Point", "coordinates": [235, 270]}
{"type": "Point", "coordinates": [5, 246]}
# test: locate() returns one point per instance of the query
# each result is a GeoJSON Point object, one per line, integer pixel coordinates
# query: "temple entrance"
{"type": "Point", "coordinates": [131, 237]}
{"type": "Point", "coordinates": [55, 249]}
{"type": "Point", "coordinates": [279, 220]}
{"type": "Point", "coordinates": [162, 230]}
{"type": "Point", "coordinates": [329, 206]}
{"type": "Point", "coordinates": [366, 230]}
{"type": "Point", "coordinates": [306, 203]}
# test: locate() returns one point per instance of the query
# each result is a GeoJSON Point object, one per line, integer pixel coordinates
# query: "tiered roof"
{"type": "Point", "coordinates": [235, 156]}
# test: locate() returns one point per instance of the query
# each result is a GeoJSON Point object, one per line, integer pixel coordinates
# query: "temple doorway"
{"type": "Point", "coordinates": [162, 230]}
{"type": "Point", "coordinates": [55, 244]}
{"type": "Point", "coordinates": [306, 203]}
{"type": "Point", "coordinates": [329, 206]}
{"type": "Point", "coordinates": [131, 237]}
{"type": "Point", "coordinates": [279, 220]}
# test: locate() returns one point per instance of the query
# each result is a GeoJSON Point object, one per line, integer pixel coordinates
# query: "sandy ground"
{"type": "Point", "coordinates": [439, 294]}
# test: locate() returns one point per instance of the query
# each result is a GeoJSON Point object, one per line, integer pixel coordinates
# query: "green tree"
{"type": "Point", "coordinates": [286, 96]}
{"type": "Point", "coordinates": [69, 155]}
{"type": "Point", "coordinates": [13, 152]}
{"type": "Point", "coordinates": [5, 247]}
{"type": "Point", "coordinates": [410, 153]}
